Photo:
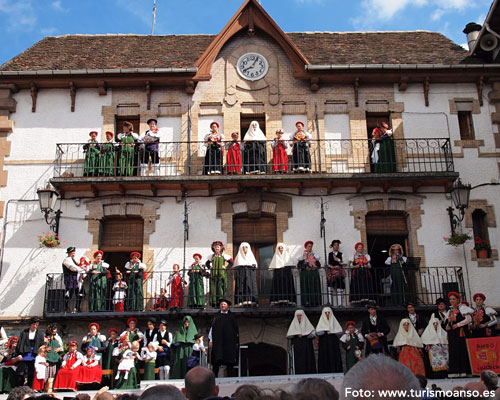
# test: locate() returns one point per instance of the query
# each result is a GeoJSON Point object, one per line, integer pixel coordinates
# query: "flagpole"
{"type": "Point", "coordinates": [154, 18]}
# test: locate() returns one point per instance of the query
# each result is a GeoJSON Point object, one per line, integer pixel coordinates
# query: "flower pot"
{"type": "Point", "coordinates": [482, 253]}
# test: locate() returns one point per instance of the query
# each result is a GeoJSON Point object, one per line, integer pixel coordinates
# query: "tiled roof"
{"type": "Point", "coordinates": [181, 51]}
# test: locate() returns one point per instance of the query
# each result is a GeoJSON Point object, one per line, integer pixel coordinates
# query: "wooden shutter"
{"type": "Point", "coordinates": [386, 223]}
{"type": "Point", "coordinates": [262, 230]}
{"type": "Point", "coordinates": [121, 234]}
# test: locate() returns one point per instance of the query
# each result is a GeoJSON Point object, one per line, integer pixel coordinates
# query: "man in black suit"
{"type": "Point", "coordinates": [375, 330]}
{"type": "Point", "coordinates": [30, 340]}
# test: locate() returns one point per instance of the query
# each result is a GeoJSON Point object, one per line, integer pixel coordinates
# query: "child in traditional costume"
{"type": "Point", "coordinates": [301, 333]}
{"type": "Point", "coordinates": [91, 150]}
{"type": "Point", "coordinates": [328, 331]}
{"type": "Point", "coordinates": [280, 157]}
{"type": "Point", "coordinates": [213, 156]}
{"type": "Point", "coordinates": [435, 341]}
{"type": "Point", "coordinates": [148, 355]}
{"type": "Point", "coordinates": [353, 343]}
{"type": "Point", "coordinates": [54, 347]}
{"type": "Point", "coordinates": [310, 284]}
{"type": "Point", "coordinates": [176, 283]}
{"type": "Point", "coordinates": [134, 269]}
{"type": "Point", "coordinates": [233, 157]}
{"type": "Point", "coordinates": [410, 345]}
{"type": "Point", "coordinates": [163, 352]}
{"type": "Point", "coordinates": [41, 365]}
{"type": "Point", "coordinates": [196, 291]}
{"type": "Point", "coordinates": [218, 263]}
{"type": "Point", "coordinates": [127, 376]}
{"type": "Point", "coordinates": [111, 344]}
{"type": "Point", "coordinates": [198, 349]}
{"type": "Point", "coordinates": [161, 303]}
{"type": "Point", "coordinates": [82, 274]}
{"type": "Point", "coordinates": [90, 371]}
{"type": "Point", "coordinates": [120, 288]}
{"type": "Point", "coordinates": [68, 374]}
{"type": "Point", "coordinates": [301, 142]}
{"type": "Point", "coordinates": [245, 265]}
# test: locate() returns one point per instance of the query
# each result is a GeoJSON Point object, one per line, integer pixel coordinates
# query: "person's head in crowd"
{"type": "Point", "coordinates": [477, 387]}
{"type": "Point", "coordinates": [441, 304]}
{"type": "Point", "coordinates": [320, 387]}
{"type": "Point", "coordinates": [378, 372]}
{"type": "Point", "coordinates": [489, 379]}
{"type": "Point", "coordinates": [20, 393]}
{"type": "Point", "coordinates": [135, 346]}
{"type": "Point", "coordinates": [105, 396]}
{"type": "Point", "coordinates": [82, 396]}
{"type": "Point", "coordinates": [422, 380]}
{"type": "Point", "coordinates": [164, 392]}
{"type": "Point", "coordinates": [247, 392]}
{"type": "Point", "coordinates": [127, 396]}
{"type": "Point", "coordinates": [199, 384]}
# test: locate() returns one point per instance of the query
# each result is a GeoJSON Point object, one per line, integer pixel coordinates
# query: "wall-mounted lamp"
{"type": "Point", "coordinates": [460, 194]}
{"type": "Point", "coordinates": [78, 202]}
{"type": "Point", "coordinates": [48, 198]}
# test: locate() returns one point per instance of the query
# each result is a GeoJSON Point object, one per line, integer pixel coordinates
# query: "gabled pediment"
{"type": "Point", "coordinates": [252, 17]}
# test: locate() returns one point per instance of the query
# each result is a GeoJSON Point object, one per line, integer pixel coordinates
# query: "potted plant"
{"type": "Point", "coordinates": [49, 240]}
{"type": "Point", "coordinates": [457, 239]}
{"type": "Point", "coordinates": [482, 247]}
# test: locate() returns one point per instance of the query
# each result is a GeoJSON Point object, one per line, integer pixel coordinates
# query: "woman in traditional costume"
{"type": "Point", "coordinates": [132, 332]}
{"type": "Point", "coordinates": [301, 142]}
{"type": "Point", "coordinates": [280, 157]}
{"type": "Point", "coordinates": [328, 331]}
{"type": "Point", "coordinates": [310, 284]}
{"type": "Point", "coordinates": [245, 265]}
{"type": "Point", "coordinates": [41, 365]}
{"type": "Point", "coordinates": [301, 333]}
{"type": "Point", "coordinates": [484, 318]}
{"type": "Point", "coordinates": [361, 277]}
{"type": "Point", "coordinates": [90, 371]}
{"type": "Point", "coordinates": [176, 283]}
{"type": "Point", "coordinates": [163, 352]}
{"type": "Point", "coordinates": [383, 154]}
{"type": "Point", "coordinates": [409, 345]}
{"type": "Point", "coordinates": [69, 372]}
{"type": "Point", "coordinates": [127, 140]}
{"type": "Point", "coordinates": [435, 341]}
{"type": "Point", "coordinates": [91, 149]}
{"type": "Point", "coordinates": [107, 162]}
{"type": "Point", "coordinates": [282, 286]}
{"type": "Point", "coordinates": [353, 343]}
{"type": "Point", "coordinates": [183, 347]}
{"type": "Point", "coordinates": [218, 263]}
{"type": "Point", "coordinates": [134, 270]}
{"type": "Point", "coordinates": [233, 157]}
{"type": "Point", "coordinates": [94, 338]}
{"type": "Point", "coordinates": [54, 347]}
{"type": "Point", "coordinates": [196, 290]}
{"type": "Point", "coordinates": [254, 151]}
{"type": "Point", "coordinates": [98, 272]}
{"type": "Point", "coordinates": [459, 317]}
{"type": "Point", "coordinates": [213, 156]}
{"type": "Point", "coordinates": [8, 366]}
{"type": "Point", "coordinates": [399, 275]}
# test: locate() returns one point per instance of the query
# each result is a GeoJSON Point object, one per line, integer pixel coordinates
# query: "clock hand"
{"type": "Point", "coordinates": [251, 66]}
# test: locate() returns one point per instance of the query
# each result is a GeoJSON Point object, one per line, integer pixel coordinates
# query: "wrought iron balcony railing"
{"type": "Point", "coordinates": [184, 159]}
{"type": "Point", "coordinates": [253, 289]}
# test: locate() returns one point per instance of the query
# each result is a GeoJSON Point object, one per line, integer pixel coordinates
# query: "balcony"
{"type": "Point", "coordinates": [277, 292]}
{"type": "Point", "coordinates": [334, 163]}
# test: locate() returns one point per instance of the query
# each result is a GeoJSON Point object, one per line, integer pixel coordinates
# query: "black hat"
{"type": "Point", "coordinates": [34, 320]}
{"type": "Point", "coordinates": [150, 120]}
{"type": "Point", "coordinates": [197, 336]}
{"type": "Point", "coordinates": [70, 249]}
{"type": "Point", "coordinates": [162, 321]}
{"type": "Point", "coordinates": [440, 300]}
{"type": "Point", "coordinates": [225, 300]}
{"type": "Point", "coordinates": [409, 303]}
{"type": "Point", "coordinates": [372, 304]}
{"type": "Point", "coordinates": [335, 241]}
{"type": "Point", "coordinates": [152, 319]}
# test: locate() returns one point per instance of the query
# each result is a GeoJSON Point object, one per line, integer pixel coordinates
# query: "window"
{"type": "Point", "coordinates": [480, 224]}
{"type": "Point", "coordinates": [465, 125]}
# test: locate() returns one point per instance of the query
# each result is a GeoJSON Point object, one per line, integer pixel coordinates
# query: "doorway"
{"type": "Point", "coordinates": [254, 364]}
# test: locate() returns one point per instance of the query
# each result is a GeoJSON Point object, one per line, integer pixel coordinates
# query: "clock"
{"type": "Point", "coordinates": [252, 66]}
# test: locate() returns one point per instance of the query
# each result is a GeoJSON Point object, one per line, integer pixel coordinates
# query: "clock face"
{"type": "Point", "coordinates": [252, 66]}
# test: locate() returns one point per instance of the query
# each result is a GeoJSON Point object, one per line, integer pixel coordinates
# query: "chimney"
{"type": "Point", "coordinates": [472, 31]}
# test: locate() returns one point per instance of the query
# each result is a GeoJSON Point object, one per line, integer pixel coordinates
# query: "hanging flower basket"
{"type": "Point", "coordinates": [457, 239]}
{"type": "Point", "coordinates": [49, 239]}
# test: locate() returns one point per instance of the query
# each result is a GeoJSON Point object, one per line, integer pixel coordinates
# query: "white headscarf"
{"type": "Point", "coordinates": [326, 325]}
{"type": "Point", "coordinates": [254, 133]}
{"type": "Point", "coordinates": [245, 259]}
{"type": "Point", "coordinates": [409, 338]}
{"type": "Point", "coordinates": [433, 336]}
{"type": "Point", "coordinates": [302, 328]}
{"type": "Point", "coordinates": [280, 260]}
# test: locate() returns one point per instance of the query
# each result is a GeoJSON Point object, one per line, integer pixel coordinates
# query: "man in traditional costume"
{"type": "Point", "coordinates": [183, 347]}
{"type": "Point", "coordinates": [233, 157]}
{"type": "Point", "coordinates": [301, 142]}
{"type": "Point", "coordinates": [459, 317]}
{"type": "Point", "coordinates": [98, 272]}
{"type": "Point", "coordinates": [218, 263]}
{"type": "Point", "coordinates": [301, 333]}
{"type": "Point", "coordinates": [353, 343]}
{"type": "Point", "coordinates": [375, 330]}
{"type": "Point", "coordinates": [107, 162]}
{"type": "Point", "coordinates": [91, 151]}
{"type": "Point", "coordinates": [196, 291]}
{"type": "Point", "coordinates": [30, 340]}
{"type": "Point", "coordinates": [310, 284]}
{"type": "Point", "coordinates": [409, 344]}
{"type": "Point", "coordinates": [335, 275]}
{"type": "Point", "coordinates": [150, 147]}
{"type": "Point", "coordinates": [71, 269]}
{"type": "Point", "coordinates": [213, 156]}
{"type": "Point", "coordinates": [224, 340]}
{"type": "Point", "coordinates": [254, 152]}
{"type": "Point", "coordinates": [150, 334]}
{"type": "Point", "coordinates": [163, 353]}
{"type": "Point", "coordinates": [435, 341]}
{"type": "Point", "coordinates": [245, 264]}
{"type": "Point", "coordinates": [328, 331]}
{"type": "Point", "coordinates": [134, 269]}
{"type": "Point", "coordinates": [484, 318]}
